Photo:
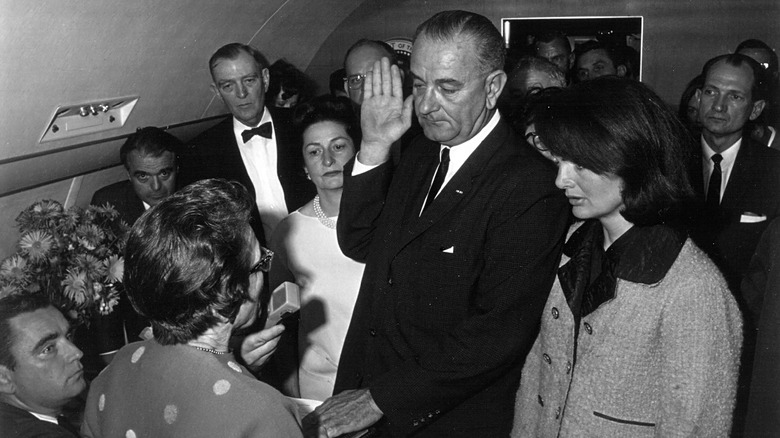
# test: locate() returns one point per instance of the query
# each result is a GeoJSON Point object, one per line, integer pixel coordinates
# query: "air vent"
{"type": "Point", "coordinates": [88, 118]}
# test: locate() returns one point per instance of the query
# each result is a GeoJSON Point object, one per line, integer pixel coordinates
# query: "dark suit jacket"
{"type": "Point", "coordinates": [18, 423]}
{"type": "Point", "coordinates": [107, 333]}
{"type": "Point", "coordinates": [215, 154]}
{"type": "Point", "coordinates": [450, 301]}
{"type": "Point", "coordinates": [753, 187]}
{"type": "Point", "coordinates": [762, 289]}
{"type": "Point", "coordinates": [122, 196]}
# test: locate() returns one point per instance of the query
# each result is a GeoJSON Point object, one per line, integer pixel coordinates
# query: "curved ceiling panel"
{"type": "Point", "coordinates": [59, 52]}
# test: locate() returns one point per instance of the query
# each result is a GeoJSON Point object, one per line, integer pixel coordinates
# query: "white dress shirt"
{"type": "Point", "coordinates": [729, 156]}
{"type": "Point", "coordinates": [260, 157]}
{"type": "Point", "coordinates": [458, 153]}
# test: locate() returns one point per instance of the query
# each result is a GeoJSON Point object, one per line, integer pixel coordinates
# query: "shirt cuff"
{"type": "Point", "coordinates": [359, 167]}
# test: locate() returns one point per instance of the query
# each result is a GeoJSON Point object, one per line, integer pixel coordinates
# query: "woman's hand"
{"type": "Point", "coordinates": [258, 347]}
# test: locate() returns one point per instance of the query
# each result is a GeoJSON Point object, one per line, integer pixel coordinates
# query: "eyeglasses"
{"type": "Point", "coordinates": [533, 139]}
{"type": "Point", "coordinates": [265, 261]}
{"type": "Point", "coordinates": [354, 82]}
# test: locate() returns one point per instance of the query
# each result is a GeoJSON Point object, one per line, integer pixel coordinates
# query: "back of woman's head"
{"type": "Point", "coordinates": [188, 258]}
{"type": "Point", "coordinates": [619, 126]}
{"type": "Point", "coordinates": [328, 108]}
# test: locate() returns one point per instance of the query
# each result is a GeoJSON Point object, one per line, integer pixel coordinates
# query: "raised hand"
{"type": "Point", "coordinates": [384, 114]}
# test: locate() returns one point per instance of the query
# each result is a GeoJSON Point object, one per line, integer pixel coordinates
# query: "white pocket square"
{"type": "Point", "coordinates": [450, 250]}
{"type": "Point", "coordinates": [750, 218]}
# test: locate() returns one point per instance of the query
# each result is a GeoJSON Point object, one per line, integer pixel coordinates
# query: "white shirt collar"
{"type": "Point", "coordinates": [461, 152]}
{"type": "Point", "coordinates": [729, 155]}
{"type": "Point", "coordinates": [43, 417]}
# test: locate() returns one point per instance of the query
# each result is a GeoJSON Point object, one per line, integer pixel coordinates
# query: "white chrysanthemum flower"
{"type": "Point", "coordinates": [36, 244]}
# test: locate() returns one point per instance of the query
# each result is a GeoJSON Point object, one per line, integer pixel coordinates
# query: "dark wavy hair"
{"type": "Point", "coordinates": [618, 126]}
{"type": "Point", "coordinates": [447, 25]}
{"type": "Point", "coordinates": [150, 141]}
{"type": "Point", "coordinates": [328, 108]}
{"type": "Point", "coordinates": [189, 257]}
{"type": "Point", "coordinates": [11, 307]}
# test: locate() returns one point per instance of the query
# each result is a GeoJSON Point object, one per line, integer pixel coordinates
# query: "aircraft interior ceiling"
{"type": "Point", "coordinates": [82, 54]}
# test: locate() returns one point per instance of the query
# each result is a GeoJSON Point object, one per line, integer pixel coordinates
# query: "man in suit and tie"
{"type": "Point", "coordinates": [738, 184]}
{"type": "Point", "coordinates": [149, 156]}
{"type": "Point", "coordinates": [255, 147]}
{"type": "Point", "coordinates": [40, 369]}
{"type": "Point", "coordinates": [737, 179]}
{"type": "Point", "coordinates": [461, 240]}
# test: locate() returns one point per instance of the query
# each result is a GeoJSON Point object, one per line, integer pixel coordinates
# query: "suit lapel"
{"type": "Point", "coordinates": [422, 176]}
{"type": "Point", "coordinates": [739, 180]}
{"type": "Point", "coordinates": [456, 189]}
{"type": "Point", "coordinates": [233, 166]}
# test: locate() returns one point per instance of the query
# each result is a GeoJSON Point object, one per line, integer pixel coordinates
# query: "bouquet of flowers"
{"type": "Point", "coordinates": [73, 256]}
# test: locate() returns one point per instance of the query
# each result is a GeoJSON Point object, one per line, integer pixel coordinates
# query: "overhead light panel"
{"type": "Point", "coordinates": [88, 118]}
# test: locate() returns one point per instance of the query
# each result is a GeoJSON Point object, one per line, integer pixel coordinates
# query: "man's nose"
{"type": "Point", "coordinates": [719, 104]}
{"type": "Point", "coordinates": [72, 352]}
{"type": "Point", "coordinates": [155, 183]}
{"type": "Point", "coordinates": [242, 91]}
{"type": "Point", "coordinates": [428, 102]}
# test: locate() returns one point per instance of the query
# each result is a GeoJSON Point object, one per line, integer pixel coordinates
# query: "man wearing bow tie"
{"type": "Point", "coordinates": [255, 147]}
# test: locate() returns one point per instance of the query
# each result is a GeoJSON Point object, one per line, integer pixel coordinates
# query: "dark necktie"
{"type": "Point", "coordinates": [713, 189]}
{"type": "Point", "coordinates": [438, 179]}
{"type": "Point", "coordinates": [263, 130]}
{"type": "Point", "coordinates": [67, 425]}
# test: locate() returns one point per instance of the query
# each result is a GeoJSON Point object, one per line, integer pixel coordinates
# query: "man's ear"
{"type": "Point", "coordinates": [266, 79]}
{"type": "Point", "coordinates": [621, 70]}
{"type": "Point", "coordinates": [758, 107]}
{"type": "Point", "coordinates": [216, 90]}
{"type": "Point", "coordinates": [7, 383]}
{"type": "Point", "coordinates": [494, 84]}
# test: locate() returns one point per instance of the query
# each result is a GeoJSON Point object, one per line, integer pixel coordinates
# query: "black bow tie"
{"type": "Point", "coordinates": [263, 130]}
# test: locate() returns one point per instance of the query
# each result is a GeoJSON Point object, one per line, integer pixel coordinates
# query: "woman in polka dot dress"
{"type": "Point", "coordinates": [195, 270]}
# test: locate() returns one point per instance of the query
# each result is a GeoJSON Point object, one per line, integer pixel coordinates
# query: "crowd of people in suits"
{"type": "Point", "coordinates": [485, 246]}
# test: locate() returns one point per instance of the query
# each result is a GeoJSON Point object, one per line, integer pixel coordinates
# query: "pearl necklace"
{"type": "Point", "coordinates": [208, 350]}
{"type": "Point", "coordinates": [325, 220]}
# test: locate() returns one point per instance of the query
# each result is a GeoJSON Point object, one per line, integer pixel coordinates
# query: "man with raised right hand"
{"type": "Point", "coordinates": [461, 241]}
